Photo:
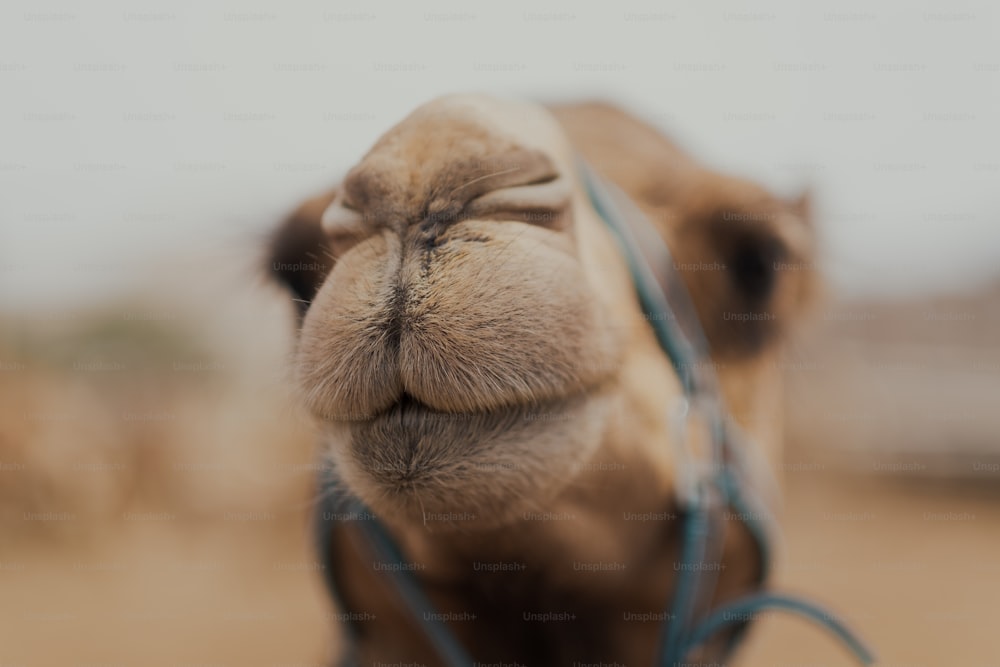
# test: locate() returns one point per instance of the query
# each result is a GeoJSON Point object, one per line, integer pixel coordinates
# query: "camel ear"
{"type": "Point", "coordinates": [298, 253]}
{"type": "Point", "coordinates": [802, 207]}
{"type": "Point", "coordinates": [750, 268]}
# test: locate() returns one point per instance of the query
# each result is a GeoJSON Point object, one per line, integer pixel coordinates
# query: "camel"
{"type": "Point", "coordinates": [490, 391]}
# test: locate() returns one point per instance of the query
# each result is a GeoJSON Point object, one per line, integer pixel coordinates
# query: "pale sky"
{"type": "Point", "coordinates": [134, 137]}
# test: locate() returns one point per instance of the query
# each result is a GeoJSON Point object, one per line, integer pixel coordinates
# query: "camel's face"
{"type": "Point", "coordinates": [460, 350]}
{"type": "Point", "coordinates": [472, 337]}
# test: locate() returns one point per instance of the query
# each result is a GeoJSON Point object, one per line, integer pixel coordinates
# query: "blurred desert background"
{"type": "Point", "coordinates": [157, 482]}
{"type": "Point", "coordinates": [156, 479]}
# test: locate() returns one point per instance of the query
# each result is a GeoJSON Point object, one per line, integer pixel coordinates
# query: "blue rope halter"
{"type": "Point", "coordinates": [706, 488]}
{"type": "Point", "coordinates": [724, 484]}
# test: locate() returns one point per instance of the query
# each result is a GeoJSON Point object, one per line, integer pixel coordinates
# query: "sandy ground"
{"type": "Point", "coordinates": [918, 569]}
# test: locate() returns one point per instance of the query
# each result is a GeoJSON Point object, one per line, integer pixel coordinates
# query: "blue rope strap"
{"type": "Point", "coordinates": [743, 609]}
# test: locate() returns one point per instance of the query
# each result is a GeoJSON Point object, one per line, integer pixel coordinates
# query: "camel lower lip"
{"type": "Point", "coordinates": [413, 459]}
{"type": "Point", "coordinates": [407, 444]}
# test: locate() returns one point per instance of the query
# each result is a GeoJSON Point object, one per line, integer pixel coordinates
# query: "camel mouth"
{"type": "Point", "coordinates": [412, 421]}
{"type": "Point", "coordinates": [410, 459]}
{"type": "Point", "coordinates": [408, 406]}
{"type": "Point", "coordinates": [407, 409]}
